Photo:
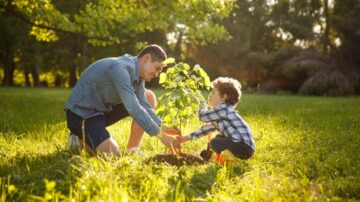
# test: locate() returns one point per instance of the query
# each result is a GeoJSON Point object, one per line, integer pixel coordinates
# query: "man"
{"type": "Point", "coordinates": [110, 90]}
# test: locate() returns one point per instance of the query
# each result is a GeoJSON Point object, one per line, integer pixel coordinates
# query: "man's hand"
{"type": "Point", "coordinates": [170, 130]}
{"type": "Point", "coordinates": [182, 139]}
{"type": "Point", "coordinates": [170, 142]}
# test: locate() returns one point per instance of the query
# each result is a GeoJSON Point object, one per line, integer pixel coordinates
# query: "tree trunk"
{"type": "Point", "coordinates": [327, 27]}
{"type": "Point", "coordinates": [9, 66]}
{"type": "Point", "coordinates": [26, 70]}
{"type": "Point", "coordinates": [72, 72]}
{"type": "Point", "coordinates": [35, 76]}
{"type": "Point", "coordinates": [27, 77]}
{"type": "Point", "coordinates": [73, 58]}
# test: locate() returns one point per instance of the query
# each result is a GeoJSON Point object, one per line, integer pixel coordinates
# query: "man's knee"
{"type": "Point", "coordinates": [74, 123]}
{"type": "Point", "coordinates": [151, 98]}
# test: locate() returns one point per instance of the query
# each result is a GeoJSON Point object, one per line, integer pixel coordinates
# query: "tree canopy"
{"type": "Point", "coordinates": [268, 45]}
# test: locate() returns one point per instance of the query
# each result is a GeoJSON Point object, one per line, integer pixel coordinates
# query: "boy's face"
{"type": "Point", "coordinates": [215, 98]}
{"type": "Point", "coordinates": [148, 69]}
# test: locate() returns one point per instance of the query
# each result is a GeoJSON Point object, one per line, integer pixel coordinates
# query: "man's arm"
{"type": "Point", "coordinates": [123, 84]}
{"type": "Point", "coordinates": [144, 103]}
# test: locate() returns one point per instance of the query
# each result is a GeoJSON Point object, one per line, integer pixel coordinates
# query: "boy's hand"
{"type": "Point", "coordinates": [204, 105]}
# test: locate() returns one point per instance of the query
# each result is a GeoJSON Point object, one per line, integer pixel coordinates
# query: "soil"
{"type": "Point", "coordinates": [176, 160]}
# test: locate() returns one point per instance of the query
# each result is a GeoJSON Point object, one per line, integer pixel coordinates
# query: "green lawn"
{"type": "Point", "coordinates": [308, 148]}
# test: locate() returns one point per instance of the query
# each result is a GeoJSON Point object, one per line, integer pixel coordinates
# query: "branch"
{"type": "Point", "coordinates": [20, 16]}
{"type": "Point", "coordinates": [23, 18]}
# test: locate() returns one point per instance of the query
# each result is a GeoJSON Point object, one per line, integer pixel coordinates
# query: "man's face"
{"type": "Point", "coordinates": [150, 69]}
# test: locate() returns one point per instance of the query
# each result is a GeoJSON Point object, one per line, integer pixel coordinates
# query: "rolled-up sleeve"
{"type": "Point", "coordinates": [122, 82]}
{"type": "Point", "coordinates": [140, 93]}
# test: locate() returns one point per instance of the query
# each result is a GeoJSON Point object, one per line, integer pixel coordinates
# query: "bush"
{"type": "Point", "coordinates": [328, 81]}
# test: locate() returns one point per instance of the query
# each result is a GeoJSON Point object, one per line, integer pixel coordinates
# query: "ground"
{"type": "Point", "coordinates": [307, 149]}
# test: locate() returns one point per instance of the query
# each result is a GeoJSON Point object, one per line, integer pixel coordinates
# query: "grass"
{"type": "Point", "coordinates": [307, 149]}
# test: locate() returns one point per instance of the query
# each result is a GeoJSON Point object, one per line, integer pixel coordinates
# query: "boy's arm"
{"type": "Point", "coordinates": [204, 130]}
{"type": "Point", "coordinates": [218, 113]}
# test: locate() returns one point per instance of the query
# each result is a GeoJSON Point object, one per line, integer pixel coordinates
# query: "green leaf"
{"type": "Point", "coordinates": [162, 78]}
{"type": "Point", "coordinates": [170, 103]}
{"type": "Point", "coordinates": [169, 61]}
{"type": "Point", "coordinates": [179, 104]}
{"type": "Point", "coordinates": [186, 66]}
{"type": "Point", "coordinates": [167, 119]}
{"type": "Point", "coordinates": [171, 70]}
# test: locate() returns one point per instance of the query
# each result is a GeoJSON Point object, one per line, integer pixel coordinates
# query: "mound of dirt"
{"type": "Point", "coordinates": [176, 160]}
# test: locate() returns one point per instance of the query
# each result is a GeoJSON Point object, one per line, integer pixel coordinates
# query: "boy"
{"type": "Point", "coordinates": [235, 140]}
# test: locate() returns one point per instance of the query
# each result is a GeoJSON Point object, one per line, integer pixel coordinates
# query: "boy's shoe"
{"type": "Point", "coordinates": [228, 156]}
{"type": "Point", "coordinates": [73, 143]}
{"type": "Point", "coordinates": [218, 159]}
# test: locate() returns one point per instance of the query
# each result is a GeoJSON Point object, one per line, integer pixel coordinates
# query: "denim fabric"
{"type": "Point", "coordinates": [109, 82]}
{"type": "Point", "coordinates": [94, 127]}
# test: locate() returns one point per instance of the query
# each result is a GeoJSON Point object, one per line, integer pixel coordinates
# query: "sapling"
{"type": "Point", "coordinates": [183, 98]}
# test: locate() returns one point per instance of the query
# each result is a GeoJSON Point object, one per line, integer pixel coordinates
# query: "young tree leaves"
{"type": "Point", "coordinates": [184, 98]}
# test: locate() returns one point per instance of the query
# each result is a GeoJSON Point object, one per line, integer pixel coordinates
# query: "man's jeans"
{"type": "Point", "coordinates": [94, 127]}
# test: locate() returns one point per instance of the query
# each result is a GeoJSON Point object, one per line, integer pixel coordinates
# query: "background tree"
{"type": "Point", "coordinates": [104, 22]}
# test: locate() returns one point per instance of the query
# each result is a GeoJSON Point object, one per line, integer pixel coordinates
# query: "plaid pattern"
{"type": "Point", "coordinates": [227, 121]}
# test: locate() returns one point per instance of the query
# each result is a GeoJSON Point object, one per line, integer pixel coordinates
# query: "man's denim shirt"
{"type": "Point", "coordinates": [109, 82]}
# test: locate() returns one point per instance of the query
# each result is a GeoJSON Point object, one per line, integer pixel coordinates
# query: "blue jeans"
{"type": "Point", "coordinates": [94, 127]}
{"type": "Point", "coordinates": [239, 149]}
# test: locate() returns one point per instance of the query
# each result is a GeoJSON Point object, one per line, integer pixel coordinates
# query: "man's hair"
{"type": "Point", "coordinates": [157, 53]}
{"type": "Point", "coordinates": [230, 87]}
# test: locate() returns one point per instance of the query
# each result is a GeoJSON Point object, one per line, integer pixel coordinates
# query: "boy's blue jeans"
{"type": "Point", "coordinates": [94, 127]}
{"type": "Point", "coordinates": [239, 149]}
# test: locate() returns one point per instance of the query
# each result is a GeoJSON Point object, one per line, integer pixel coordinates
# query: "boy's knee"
{"type": "Point", "coordinates": [214, 145]}
{"type": "Point", "coordinates": [151, 98]}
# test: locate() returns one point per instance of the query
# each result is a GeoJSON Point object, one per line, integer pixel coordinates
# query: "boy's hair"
{"type": "Point", "coordinates": [230, 87]}
{"type": "Point", "coordinates": [157, 53]}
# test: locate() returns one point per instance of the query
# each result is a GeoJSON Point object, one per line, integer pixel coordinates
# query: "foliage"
{"type": "Point", "coordinates": [106, 22]}
{"type": "Point", "coordinates": [327, 81]}
{"type": "Point", "coordinates": [306, 151]}
{"type": "Point", "coordinates": [183, 99]}
{"type": "Point", "coordinates": [263, 29]}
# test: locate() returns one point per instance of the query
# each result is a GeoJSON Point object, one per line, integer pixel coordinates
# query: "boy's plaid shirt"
{"type": "Point", "coordinates": [227, 121]}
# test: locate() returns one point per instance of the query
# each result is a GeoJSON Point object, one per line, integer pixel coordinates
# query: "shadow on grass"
{"type": "Point", "coordinates": [28, 173]}
{"type": "Point", "coordinates": [203, 182]}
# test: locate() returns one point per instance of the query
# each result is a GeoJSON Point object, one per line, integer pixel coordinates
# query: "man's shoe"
{"type": "Point", "coordinates": [134, 150]}
{"type": "Point", "coordinates": [73, 143]}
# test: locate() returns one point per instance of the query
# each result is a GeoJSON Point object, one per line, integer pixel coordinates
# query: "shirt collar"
{"type": "Point", "coordinates": [136, 75]}
{"type": "Point", "coordinates": [222, 105]}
